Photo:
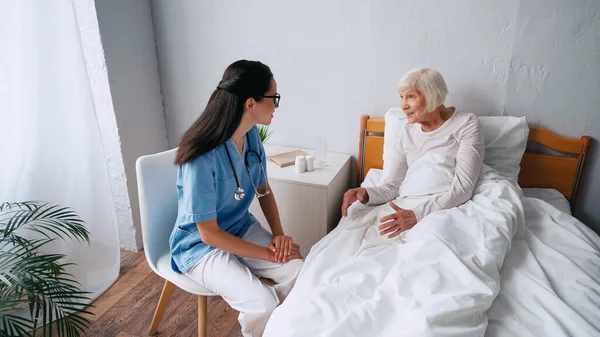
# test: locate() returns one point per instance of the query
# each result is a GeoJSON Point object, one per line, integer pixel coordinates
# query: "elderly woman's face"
{"type": "Point", "coordinates": [414, 105]}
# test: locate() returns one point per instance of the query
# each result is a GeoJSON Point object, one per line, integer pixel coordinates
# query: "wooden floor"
{"type": "Point", "coordinates": [126, 309]}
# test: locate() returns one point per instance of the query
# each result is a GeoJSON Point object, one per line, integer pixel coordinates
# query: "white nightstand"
{"type": "Point", "coordinates": [309, 203]}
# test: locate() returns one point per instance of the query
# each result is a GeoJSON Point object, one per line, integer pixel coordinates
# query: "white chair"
{"type": "Point", "coordinates": [156, 179]}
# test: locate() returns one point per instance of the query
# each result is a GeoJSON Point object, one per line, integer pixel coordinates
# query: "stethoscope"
{"type": "Point", "coordinates": [239, 192]}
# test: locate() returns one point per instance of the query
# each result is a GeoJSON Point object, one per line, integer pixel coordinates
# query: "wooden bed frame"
{"type": "Point", "coordinates": [560, 172]}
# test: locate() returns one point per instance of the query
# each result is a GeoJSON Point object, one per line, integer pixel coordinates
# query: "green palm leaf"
{"type": "Point", "coordinates": [16, 326]}
{"type": "Point", "coordinates": [264, 133]}
{"type": "Point", "coordinates": [42, 218]}
{"type": "Point", "coordinates": [37, 281]}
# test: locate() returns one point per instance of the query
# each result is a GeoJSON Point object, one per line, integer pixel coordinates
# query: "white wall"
{"type": "Point", "coordinates": [336, 60]}
{"type": "Point", "coordinates": [129, 47]}
{"type": "Point", "coordinates": [105, 115]}
{"type": "Point", "coordinates": [554, 80]}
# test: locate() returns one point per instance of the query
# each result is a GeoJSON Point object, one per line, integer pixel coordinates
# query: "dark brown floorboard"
{"type": "Point", "coordinates": [127, 308]}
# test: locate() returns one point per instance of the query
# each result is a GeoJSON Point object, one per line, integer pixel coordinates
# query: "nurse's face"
{"type": "Point", "coordinates": [262, 112]}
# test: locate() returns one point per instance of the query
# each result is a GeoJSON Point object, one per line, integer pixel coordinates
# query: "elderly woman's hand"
{"type": "Point", "coordinates": [352, 195]}
{"type": "Point", "coordinates": [398, 222]}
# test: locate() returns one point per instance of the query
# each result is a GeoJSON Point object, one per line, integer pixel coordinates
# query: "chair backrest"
{"type": "Point", "coordinates": [156, 179]}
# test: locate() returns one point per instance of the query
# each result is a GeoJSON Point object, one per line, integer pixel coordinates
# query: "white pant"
{"type": "Point", "coordinates": [235, 279]}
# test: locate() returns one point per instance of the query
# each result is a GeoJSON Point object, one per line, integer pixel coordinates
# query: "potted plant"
{"type": "Point", "coordinates": [264, 133]}
{"type": "Point", "coordinates": [35, 289]}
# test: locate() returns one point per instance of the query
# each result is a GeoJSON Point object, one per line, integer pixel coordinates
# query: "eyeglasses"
{"type": "Point", "coordinates": [275, 98]}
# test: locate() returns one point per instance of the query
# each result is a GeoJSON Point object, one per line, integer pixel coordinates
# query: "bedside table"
{"type": "Point", "coordinates": [309, 203]}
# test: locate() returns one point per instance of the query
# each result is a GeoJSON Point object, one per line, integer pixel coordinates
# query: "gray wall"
{"type": "Point", "coordinates": [336, 60]}
{"type": "Point", "coordinates": [129, 45]}
{"type": "Point", "coordinates": [554, 80]}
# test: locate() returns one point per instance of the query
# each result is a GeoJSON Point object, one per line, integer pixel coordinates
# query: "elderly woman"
{"type": "Point", "coordinates": [432, 128]}
{"type": "Point", "coordinates": [441, 277]}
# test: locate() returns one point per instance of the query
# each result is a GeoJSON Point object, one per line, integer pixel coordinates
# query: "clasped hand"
{"type": "Point", "coordinates": [283, 249]}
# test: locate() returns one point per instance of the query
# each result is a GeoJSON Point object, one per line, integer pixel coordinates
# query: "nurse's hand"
{"type": "Point", "coordinates": [271, 255]}
{"type": "Point", "coordinates": [282, 246]}
{"type": "Point", "coordinates": [295, 253]}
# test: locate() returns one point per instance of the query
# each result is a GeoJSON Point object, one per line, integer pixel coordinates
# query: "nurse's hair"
{"type": "Point", "coordinates": [242, 80]}
{"type": "Point", "coordinates": [429, 83]}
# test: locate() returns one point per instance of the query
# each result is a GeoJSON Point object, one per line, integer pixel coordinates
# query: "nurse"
{"type": "Point", "coordinates": [222, 165]}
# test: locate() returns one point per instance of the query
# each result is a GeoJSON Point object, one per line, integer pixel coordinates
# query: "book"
{"type": "Point", "coordinates": [287, 158]}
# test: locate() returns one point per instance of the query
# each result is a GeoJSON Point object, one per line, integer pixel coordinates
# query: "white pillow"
{"type": "Point", "coordinates": [373, 178]}
{"type": "Point", "coordinates": [505, 140]}
{"type": "Point", "coordinates": [395, 120]}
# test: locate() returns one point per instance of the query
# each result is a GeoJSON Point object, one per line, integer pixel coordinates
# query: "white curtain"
{"type": "Point", "coordinates": [51, 148]}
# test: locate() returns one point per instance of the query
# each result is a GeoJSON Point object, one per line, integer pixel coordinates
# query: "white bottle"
{"type": "Point", "coordinates": [310, 163]}
{"type": "Point", "coordinates": [300, 164]}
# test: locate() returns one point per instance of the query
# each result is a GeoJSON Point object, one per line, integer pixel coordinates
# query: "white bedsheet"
{"type": "Point", "coordinates": [438, 279]}
{"type": "Point", "coordinates": [550, 280]}
{"type": "Point", "coordinates": [551, 196]}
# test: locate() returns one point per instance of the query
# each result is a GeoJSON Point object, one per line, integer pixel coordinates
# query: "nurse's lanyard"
{"type": "Point", "coordinates": [239, 192]}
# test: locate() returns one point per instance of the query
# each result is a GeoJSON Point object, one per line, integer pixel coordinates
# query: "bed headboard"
{"type": "Point", "coordinates": [560, 172]}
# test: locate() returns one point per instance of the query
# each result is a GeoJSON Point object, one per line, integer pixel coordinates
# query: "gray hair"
{"type": "Point", "coordinates": [429, 82]}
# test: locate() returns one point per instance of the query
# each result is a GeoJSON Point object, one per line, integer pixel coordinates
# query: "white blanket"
{"type": "Point", "coordinates": [437, 279]}
{"type": "Point", "coordinates": [550, 278]}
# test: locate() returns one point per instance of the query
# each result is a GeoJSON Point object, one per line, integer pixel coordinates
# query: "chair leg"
{"type": "Point", "coordinates": [165, 296]}
{"type": "Point", "coordinates": [202, 328]}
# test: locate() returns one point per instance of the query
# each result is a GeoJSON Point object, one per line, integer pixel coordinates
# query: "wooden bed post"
{"type": "Point", "coordinates": [361, 146]}
{"type": "Point", "coordinates": [581, 157]}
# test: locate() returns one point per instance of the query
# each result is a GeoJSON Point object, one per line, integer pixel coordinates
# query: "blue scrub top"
{"type": "Point", "coordinates": [205, 188]}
